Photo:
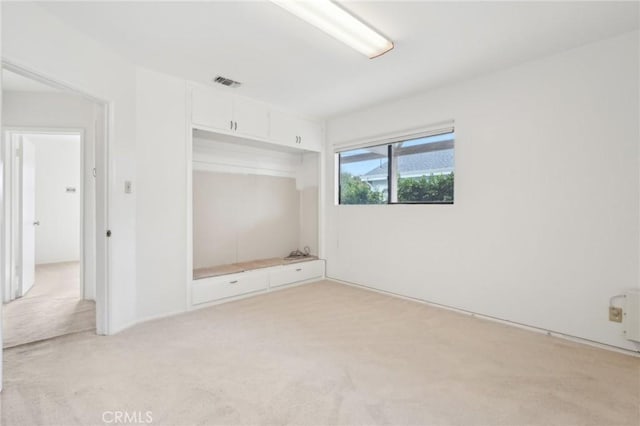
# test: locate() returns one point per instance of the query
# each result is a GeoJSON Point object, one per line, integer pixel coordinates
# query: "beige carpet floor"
{"type": "Point", "coordinates": [320, 354]}
{"type": "Point", "coordinates": [51, 308]}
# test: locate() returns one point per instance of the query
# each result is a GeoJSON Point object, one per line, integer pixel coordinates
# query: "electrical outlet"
{"type": "Point", "coordinates": [615, 314]}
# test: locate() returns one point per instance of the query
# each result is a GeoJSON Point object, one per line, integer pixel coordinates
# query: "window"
{"type": "Point", "coordinates": [364, 176]}
{"type": "Point", "coordinates": [410, 171]}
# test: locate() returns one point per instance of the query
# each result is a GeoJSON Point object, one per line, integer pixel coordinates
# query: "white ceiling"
{"type": "Point", "coordinates": [283, 60]}
{"type": "Point", "coordinates": [12, 82]}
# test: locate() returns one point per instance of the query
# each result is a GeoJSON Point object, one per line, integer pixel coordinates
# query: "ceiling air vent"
{"type": "Point", "coordinates": [226, 81]}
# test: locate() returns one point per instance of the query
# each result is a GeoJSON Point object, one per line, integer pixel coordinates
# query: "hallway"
{"type": "Point", "coordinates": [51, 308]}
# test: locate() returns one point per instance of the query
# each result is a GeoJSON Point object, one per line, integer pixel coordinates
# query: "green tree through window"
{"type": "Point", "coordinates": [354, 191]}
{"type": "Point", "coordinates": [438, 188]}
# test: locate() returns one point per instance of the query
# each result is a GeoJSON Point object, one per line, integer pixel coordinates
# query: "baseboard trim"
{"type": "Point", "coordinates": [213, 303]}
{"type": "Point", "coordinates": [160, 316]}
{"type": "Point", "coordinates": [538, 330]}
{"type": "Point", "coordinates": [142, 320]}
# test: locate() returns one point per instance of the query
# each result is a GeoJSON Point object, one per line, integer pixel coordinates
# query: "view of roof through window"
{"type": "Point", "coordinates": [421, 172]}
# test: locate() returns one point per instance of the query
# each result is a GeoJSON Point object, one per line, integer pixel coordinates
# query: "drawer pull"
{"type": "Point", "coordinates": [233, 282]}
{"type": "Point", "coordinates": [299, 269]}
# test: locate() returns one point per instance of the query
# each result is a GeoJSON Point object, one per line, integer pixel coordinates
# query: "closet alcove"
{"type": "Point", "coordinates": [254, 216]}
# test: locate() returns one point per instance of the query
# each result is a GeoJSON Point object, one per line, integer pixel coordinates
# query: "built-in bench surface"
{"type": "Point", "coordinates": [233, 268]}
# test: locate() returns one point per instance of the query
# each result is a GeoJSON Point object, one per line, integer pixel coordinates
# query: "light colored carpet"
{"type": "Point", "coordinates": [56, 280]}
{"type": "Point", "coordinates": [51, 308]}
{"type": "Point", "coordinates": [321, 354]}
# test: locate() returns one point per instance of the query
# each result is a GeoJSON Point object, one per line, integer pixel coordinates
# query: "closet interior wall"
{"type": "Point", "coordinates": [250, 201]}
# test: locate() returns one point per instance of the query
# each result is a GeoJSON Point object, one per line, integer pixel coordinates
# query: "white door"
{"type": "Point", "coordinates": [28, 215]}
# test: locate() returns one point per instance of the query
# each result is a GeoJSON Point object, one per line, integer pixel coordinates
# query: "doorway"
{"type": "Point", "coordinates": [46, 296]}
{"type": "Point", "coordinates": [54, 254]}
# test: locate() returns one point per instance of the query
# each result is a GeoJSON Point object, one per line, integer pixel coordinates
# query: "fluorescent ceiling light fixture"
{"type": "Point", "coordinates": [338, 23]}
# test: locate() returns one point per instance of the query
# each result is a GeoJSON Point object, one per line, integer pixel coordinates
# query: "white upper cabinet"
{"type": "Point", "coordinates": [212, 108]}
{"type": "Point", "coordinates": [233, 114]}
{"type": "Point", "coordinates": [283, 129]}
{"type": "Point", "coordinates": [250, 118]}
{"type": "Point", "coordinates": [289, 130]}
{"type": "Point", "coordinates": [215, 109]}
{"type": "Point", "coordinates": [311, 135]}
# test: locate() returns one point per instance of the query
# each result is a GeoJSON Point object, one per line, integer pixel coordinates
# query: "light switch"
{"type": "Point", "coordinates": [127, 187]}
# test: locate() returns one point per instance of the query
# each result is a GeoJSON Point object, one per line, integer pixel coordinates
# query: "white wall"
{"type": "Point", "coordinates": [48, 110]}
{"type": "Point", "coordinates": [228, 154]}
{"type": "Point", "coordinates": [308, 181]}
{"type": "Point", "coordinates": [544, 229]}
{"type": "Point", "coordinates": [57, 168]}
{"type": "Point", "coordinates": [2, 271]}
{"type": "Point", "coordinates": [34, 39]}
{"type": "Point", "coordinates": [161, 235]}
{"type": "Point", "coordinates": [62, 111]}
{"type": "Point", "coordinates": [243, 217]}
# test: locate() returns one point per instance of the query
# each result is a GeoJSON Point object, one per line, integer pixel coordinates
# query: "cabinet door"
{"type": "Point", "coordinates": [215, 288]}
{"type": "Point", "coordinates": [289, 130]}
{"type": "Point", "coordinates": [310, 135]}
{"type": "Point", "coordinates": [212, 108]}
{"type": "Point", "coordinates": [251, 118]}
{"type": "Point", "coordinates": [284, 129]}
{"type": "Point", "coordinates": [296, 272]}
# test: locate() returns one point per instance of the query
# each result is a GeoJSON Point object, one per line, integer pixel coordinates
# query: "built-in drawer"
{"type": "Point", "coordinates": [296, 272]}
{"type": "Point", "coordinates": [215, 288]}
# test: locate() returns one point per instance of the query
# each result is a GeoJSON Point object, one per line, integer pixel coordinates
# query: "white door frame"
{"type": "Point", "coordinates": [103, 164]}
{"type": "Point", "coordinates": [12, 236]}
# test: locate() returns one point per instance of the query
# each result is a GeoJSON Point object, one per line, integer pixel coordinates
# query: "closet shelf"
{"type": "Point", "coordinates": [233, 268]}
